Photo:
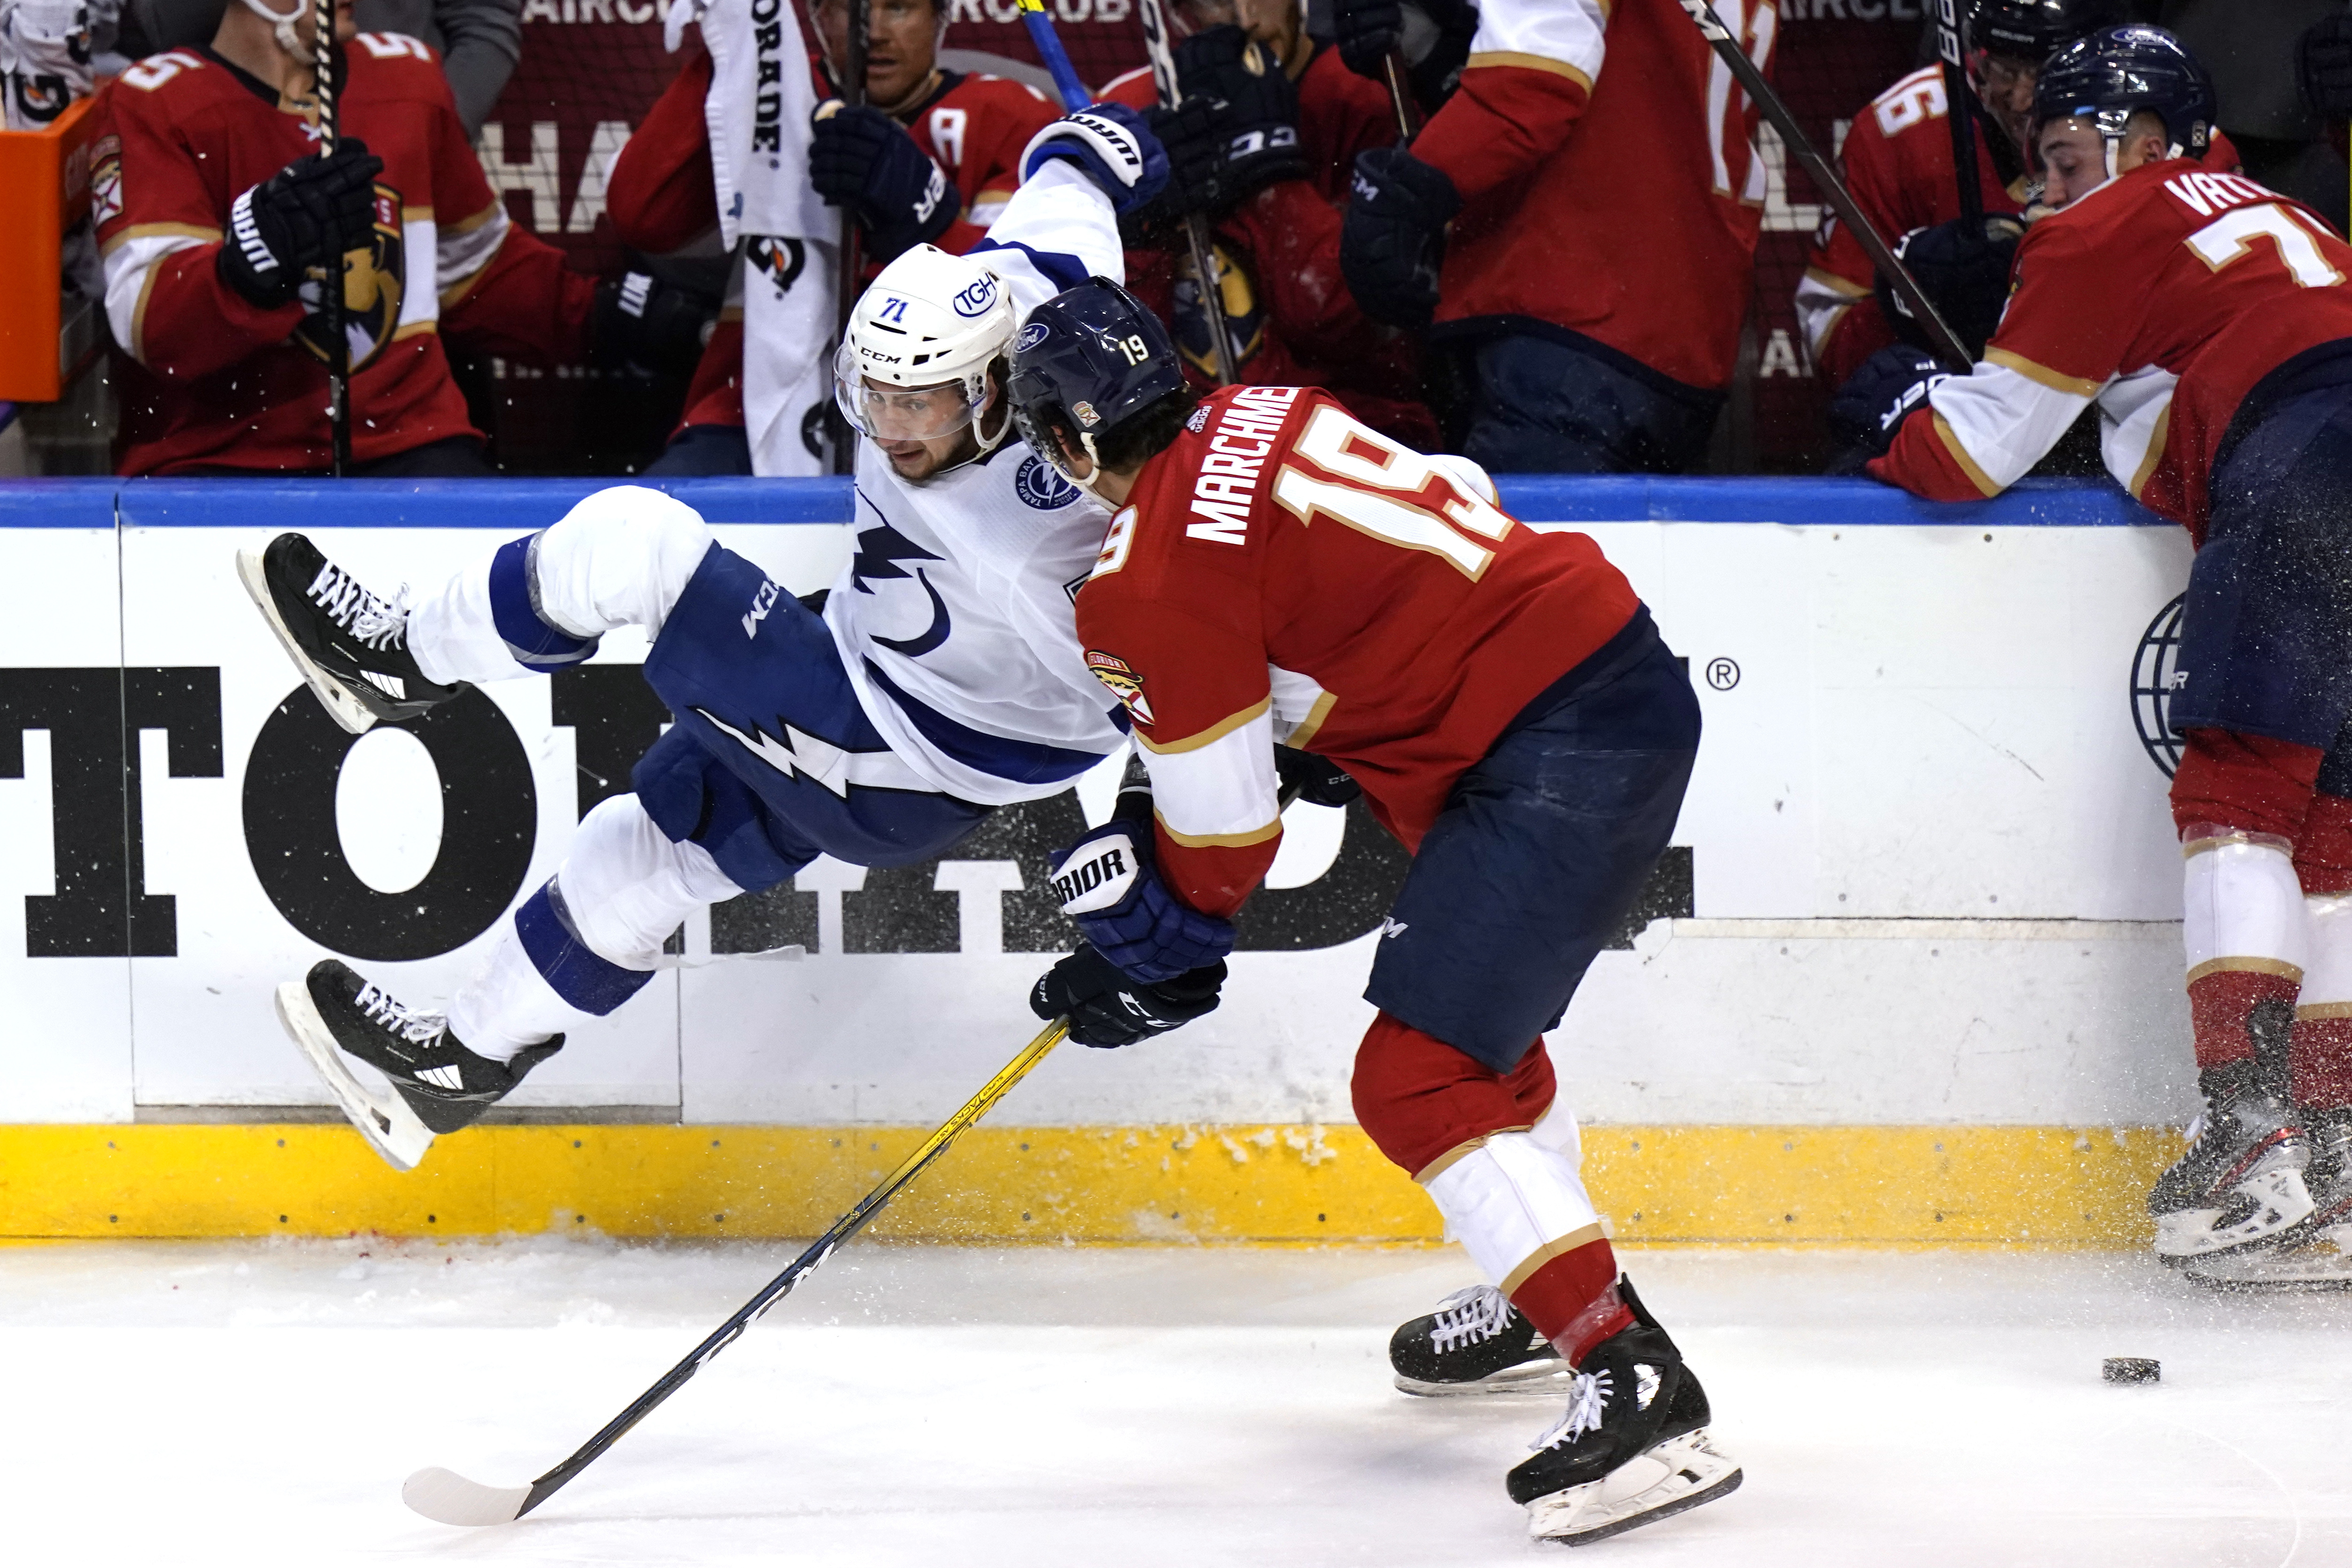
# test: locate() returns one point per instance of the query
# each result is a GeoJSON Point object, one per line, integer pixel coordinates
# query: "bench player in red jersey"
{"type": "Point", "coordinates": [2211, 321]}
{"type": "Point", "coordinates": [1278, 120]}
{"type": "Point", "coordinates": [1898, 161]}
{"type": "Point", "coordinates": [215, 211]}
{"type": "Point", "coordinates": [1277, 571]}
{"type": "Point", "coordinates": [928, 160]}
{"type": "Point", "coordinates": [1579, 222]}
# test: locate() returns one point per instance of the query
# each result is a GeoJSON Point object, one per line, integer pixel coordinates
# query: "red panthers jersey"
{"type": "Point", "coordinates": [1610, 184]}
{"type": "Point", "coordinates": [1898, 165]}
{"type": "Point", "coordinates": [1283, 572]}
{"type": "Point", "coordinates": [214, 381]}
{"type": "Point", "coordinates": [2164, 296]}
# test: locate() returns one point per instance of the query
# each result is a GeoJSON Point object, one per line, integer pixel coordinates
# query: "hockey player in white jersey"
{"type": "Point", "coordinates": [943, 678]}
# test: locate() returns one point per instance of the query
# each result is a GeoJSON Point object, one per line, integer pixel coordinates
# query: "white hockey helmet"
{"type": "Point", "coordinates": [913, 365]}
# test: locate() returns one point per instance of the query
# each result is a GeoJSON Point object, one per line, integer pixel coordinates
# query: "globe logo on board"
{"type": "Point", "coordinates": [2156, 677]}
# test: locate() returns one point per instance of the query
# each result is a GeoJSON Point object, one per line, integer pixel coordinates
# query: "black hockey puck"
{"type": "Point", "coordinates": [2131, 1369]}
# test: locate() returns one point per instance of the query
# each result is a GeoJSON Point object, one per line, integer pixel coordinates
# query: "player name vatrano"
{"type": "Point", "coordinates": [1244, 439]}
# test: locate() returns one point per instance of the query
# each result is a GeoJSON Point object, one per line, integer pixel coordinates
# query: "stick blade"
{"type": "Point", "coordinates": [449, 1497]}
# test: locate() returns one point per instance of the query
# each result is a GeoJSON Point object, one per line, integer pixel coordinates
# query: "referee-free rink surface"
{"type": "Point", "coordinates": [260, 1403]}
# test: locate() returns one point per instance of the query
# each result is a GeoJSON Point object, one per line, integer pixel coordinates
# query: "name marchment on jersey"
{"type": "Point", "coordinates": [1244, 439]}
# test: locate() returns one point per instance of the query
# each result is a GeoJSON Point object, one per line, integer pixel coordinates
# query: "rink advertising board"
{"type": "Point", "coordinates": [1923, 883]}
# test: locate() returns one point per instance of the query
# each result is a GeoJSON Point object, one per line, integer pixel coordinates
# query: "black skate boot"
{"type": "Point", "coordinates": [438, 1085]}
{"type": "Point", "coordinates": [2316, 1255]}
{"type": "Point", "coordinates": [2241, 1183]}
{"type": "Point", "coordinates": [349, 643]}
{"type": "Point", "coordinates": [1632, 1448]}
{"type": "Point", "coordinates": [1476, 1343]}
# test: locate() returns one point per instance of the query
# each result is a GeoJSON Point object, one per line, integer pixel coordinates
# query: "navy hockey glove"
{"type": "Point", "coordinates": [1314, 779]}
{"type": "Point", "coordinates": [2323, 66]}
{"type": "Point", "coordinates": [1107, 883]}
{"type": "Point", "coordinates": [863, 159]}
{"type": "Point", "coordinates": [1112, 145]}
{"type": "Point", "coordinates": [1889, 387]}
{"type": "Point", "coordinates": [647, 326]}
{"type": "Point", "coordinates": [1434, 35]}
{"type": "Point", "coordinates": [306, 216]}
{"type": "Point", "coordinates": [1964, 270]}
{"type": "Point", "coordinates": [1393, 238]}
{"type": "Point", "coordinates": [1107, 1009]}
{"type": "Point", "coordinates": [1257, 107]}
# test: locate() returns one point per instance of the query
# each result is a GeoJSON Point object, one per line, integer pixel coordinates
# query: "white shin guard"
{"type": "Point", "coordinates": [620, 557]}
{"type": "Point", "coordinates": [2243, 907]}
{"type": "Point", "coordinates": [1514, 1205]}
{"type": "Point", "coordinates": [2327, 973]}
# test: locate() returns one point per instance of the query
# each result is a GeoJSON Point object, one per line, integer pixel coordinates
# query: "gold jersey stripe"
{"type": "Point", "coordinates": [1461, 1152]}
{"type": "Point", "coordinates": [1582, 1235]}
{"type": "Point", "coordinates": [2240, 964]}
{"type": "Point", "coordinates": [2055, 380]}
{"type": "Point", "coordinates": [1209, 736]}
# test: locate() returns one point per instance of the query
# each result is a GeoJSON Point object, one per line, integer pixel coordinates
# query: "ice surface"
{"type": "Point", "coordinates": [259, 1403]}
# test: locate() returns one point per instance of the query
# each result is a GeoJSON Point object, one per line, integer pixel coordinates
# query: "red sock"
{"type": "Point", "coordinates": [2219, 1006]}
{"type": "Point", "coordinates": [2319, 1059]}
{"type": "Point", "coordinates": [1572, 1299]}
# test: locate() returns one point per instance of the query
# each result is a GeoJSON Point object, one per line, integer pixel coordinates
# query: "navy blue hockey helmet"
{"type": "Point", "coordinates": [2116, 72]}
{"type": "Point", "coordinates": [1087, 361]}
{"type": "Point", "coordinates": [2035, 29]}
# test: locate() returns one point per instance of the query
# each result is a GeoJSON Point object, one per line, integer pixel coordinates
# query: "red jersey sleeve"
{"type": "Point", "coordinates": [662, 195]}
{"type": "Point", "coordinates": [503, 290]}
{"type": "Point", "coordinates": [159, 231]}
{"type": "Point", "coordinates": [1528, 79]}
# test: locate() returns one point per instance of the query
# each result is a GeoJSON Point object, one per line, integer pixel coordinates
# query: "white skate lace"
{"type": "Point", "coordinates": [1470, 1317]}
{"type": "Point", "coordinates": [417, 1028]}
{"type": "Point", "coordinates": [1584, 1410]}
{"type": "Point", "coordinates": [376, 622]}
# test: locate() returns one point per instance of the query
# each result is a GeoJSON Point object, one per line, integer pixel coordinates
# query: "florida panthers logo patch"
{"type": "Point", "coordinates": [374, 279]}
{"type": "Point", "coordinates": [1040, 484]}
{"type": "Point", "coordinates": [1124, 683]}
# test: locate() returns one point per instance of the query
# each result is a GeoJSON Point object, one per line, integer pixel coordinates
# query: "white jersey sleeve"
{"type": "Point", "coordinates": [1057, 231]}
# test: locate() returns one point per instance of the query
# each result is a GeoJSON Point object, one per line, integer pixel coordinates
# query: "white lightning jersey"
{"type": "Point", "coordinates": [957, 616]}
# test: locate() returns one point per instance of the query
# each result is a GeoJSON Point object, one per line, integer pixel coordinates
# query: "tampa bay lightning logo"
{"type": "Point", "coordinates": [977, 300]}
{"type": "Point", "coordinates": [1033, 335]}
{"type": "Point", "coordinates": [1041, 485]}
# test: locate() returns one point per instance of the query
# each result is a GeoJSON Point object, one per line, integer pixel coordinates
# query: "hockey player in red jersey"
{"type": "Point", "coordinates": [1271, 123]}
{"type": "Point", "coordinates": [1898, 161]}
{"type": "Point", "coordinates": [215, 217]}
{"type": "Point", "coordinates": [2211, 321]}
{"type": "Point", "coordinates": [1277, 571]}
{"type": "Point", "coordinates": [928, 160]}
{"type": "Point", "coordinates": [1583, 233]}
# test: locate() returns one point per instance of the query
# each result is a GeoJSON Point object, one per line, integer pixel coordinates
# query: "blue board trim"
{"type": "Point", "coordinates": [523, 506]}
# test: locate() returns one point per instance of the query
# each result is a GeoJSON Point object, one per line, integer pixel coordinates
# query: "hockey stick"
{"type": "Point", "coordinates": [450, 1498]}
{"type": "Point", "coordinates": [328, 120]}
{"type": "Point", "coordinates": [852, 88]}
{"type": "Point", "coordinates": [1408, 113]}
{"type": "Point", "coordinates": [1074, 93]}
{"type": "Point", "coordinates": [1961, 112]}
{"type": "Point", "coordinates": [1792, 136]}
{"type": "Point", "coordinates": [1154, 18]}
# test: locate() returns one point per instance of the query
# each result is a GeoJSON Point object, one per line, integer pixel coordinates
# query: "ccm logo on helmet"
{"type": "Point", "coordinates": [978, 298]}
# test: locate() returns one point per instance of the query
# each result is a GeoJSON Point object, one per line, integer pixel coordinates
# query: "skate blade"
{"type": "Point", "coordinates": [341, 705]}
{"type": "Point", "coordinates": [2322, 1263]}
{"type": "Point", "coordinates": [2280, 1201]}
{"type": "Point", "coordinates": [1675, 1476]}
{"type": "Point", "coordinates": [1548, 1377]}
{"type": "Point", "coordinates": [381, 1117]}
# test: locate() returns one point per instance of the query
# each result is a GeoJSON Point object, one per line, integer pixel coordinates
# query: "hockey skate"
{"type": "Point", "coordinates": [2316, 1255]}
{"type": "Point", "coordinates": [1477, 1342]}
{"type": "Point", "coordinates": [2241, 1183]}
{"type": "Point", "coordinates": [350, 644]}
{"type": "Point", "coordinates": [434, 1084]}
{"type": "Point", "coordinates": [1632, 1448]}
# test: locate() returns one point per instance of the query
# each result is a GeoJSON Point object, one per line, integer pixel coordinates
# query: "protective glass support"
{"type": "Point", "coordinates": [903, 412]}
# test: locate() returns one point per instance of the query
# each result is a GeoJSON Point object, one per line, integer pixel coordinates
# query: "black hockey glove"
{"type": "Point", "coordinates": [1193, 137]}
{"type": "Point", "coordinates": [1393, 238]}
{"type": "Point", "coordinates": [308, 215]}
{"type": "Point", "coordinates": [1964, 270]}
{"type": "Point", "coordinates": [1107, 1009]}
{"type": "Point", "coordinates": [647, 326]}
{"type": "Point", "coordinates": [1258, 106]}
{"type": "Point", "coordinates": [1434, 35]}
{"type": "Point", "coordinates": [2323, 66]}
{"type": "Point", "coordinates": [1314, 779]}
{"type": "Point", "coordinates": [863, 159]}
{"type": "Point", "coordinates": [1889, 387]}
